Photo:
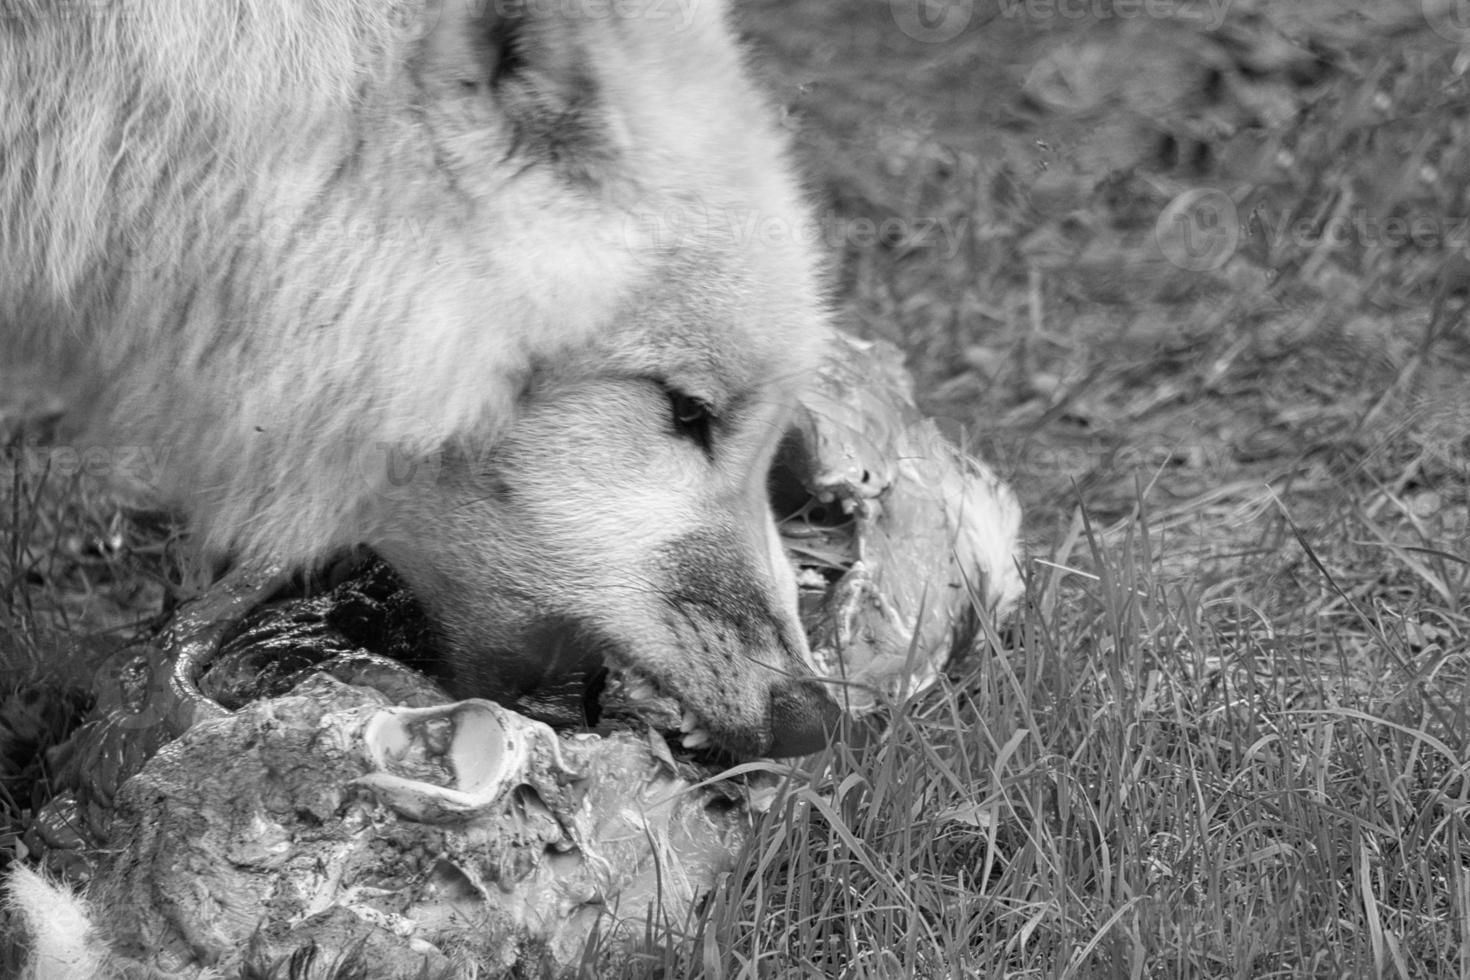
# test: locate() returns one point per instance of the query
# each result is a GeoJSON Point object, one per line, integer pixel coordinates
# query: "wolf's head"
{"type": "Point", "coordinates": [553, 252]}
{"type": "Point", "coordinates": [620, 515]}
{"type": "Point", "coordinates": [623, 521]}
{"type": "Point", "coordinates": [618, 511]}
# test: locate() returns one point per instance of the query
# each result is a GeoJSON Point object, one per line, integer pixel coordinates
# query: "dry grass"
{"type": "Point", "coordinates": [1227, 735]}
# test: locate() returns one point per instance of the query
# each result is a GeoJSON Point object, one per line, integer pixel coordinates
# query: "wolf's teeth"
{"type": "Point", "coordinates": [689, 722]}
{"type": "Point", "coordinates": [696, 739]}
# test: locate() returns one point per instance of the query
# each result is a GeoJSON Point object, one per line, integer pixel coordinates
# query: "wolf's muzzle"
{"type": "Point", "coordinates": [803, 718]}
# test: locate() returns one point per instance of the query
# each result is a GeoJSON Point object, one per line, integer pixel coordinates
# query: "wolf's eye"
{"type": "Point", "coordinates": [691, 417]}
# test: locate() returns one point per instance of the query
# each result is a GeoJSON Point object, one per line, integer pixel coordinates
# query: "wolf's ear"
{"type": "Point", "coordinates": [536, 67]}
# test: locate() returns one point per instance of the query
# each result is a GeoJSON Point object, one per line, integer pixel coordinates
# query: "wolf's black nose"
{"type": "Point", "coordinates": [803, 718]}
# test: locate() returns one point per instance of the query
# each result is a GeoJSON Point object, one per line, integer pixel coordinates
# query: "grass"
{"type": "Point", "coordinates": [1226, 734]}
{"type": "Point", "coordinates": [1158, 787]}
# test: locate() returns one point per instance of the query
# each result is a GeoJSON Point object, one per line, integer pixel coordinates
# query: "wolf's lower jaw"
{"type": "Point", "coordinates": [630, 692]}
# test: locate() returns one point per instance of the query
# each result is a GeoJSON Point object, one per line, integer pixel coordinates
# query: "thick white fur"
{"type": "Point", "coordinates": [58, 930]}
{"type": "Point", "coordinates": [267, 237]}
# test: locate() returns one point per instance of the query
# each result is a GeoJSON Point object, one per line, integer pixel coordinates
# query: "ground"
{"type": "Point", "coordinates": [1193, 277]}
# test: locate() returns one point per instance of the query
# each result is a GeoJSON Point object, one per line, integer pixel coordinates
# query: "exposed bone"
{"type": "Point", "coordinates": [931, 543]}
{"type": "Point", "coordinates": [455, 761]}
